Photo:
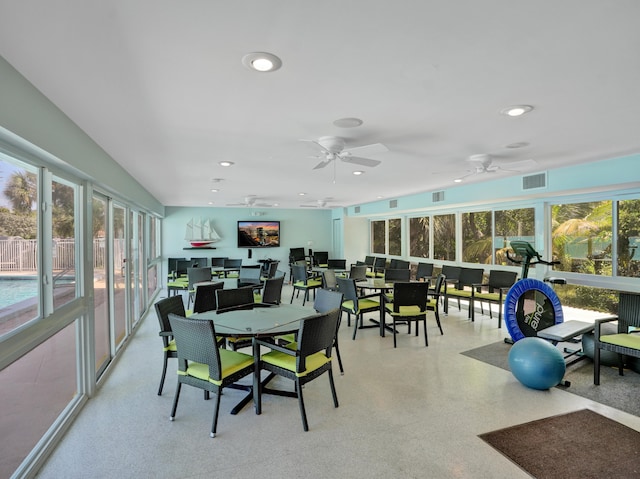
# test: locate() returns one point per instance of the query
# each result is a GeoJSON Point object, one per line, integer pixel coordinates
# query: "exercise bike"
{"type": "Point", "coordinates": [531, 305]}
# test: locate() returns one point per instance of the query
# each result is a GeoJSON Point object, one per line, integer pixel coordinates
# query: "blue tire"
{"type": "Point", "coordinates": [530, 306]}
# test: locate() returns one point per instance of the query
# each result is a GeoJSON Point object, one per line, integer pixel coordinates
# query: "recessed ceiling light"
{"type": "Point", "coordinates": [261, 61]}
{"type": "Point", "coordinates": [213, 190]}
{"type": "Point", "coordinates": [210, 202]}
{"type": "Point", "coordinates": [458, 180]}
{"type": "Point", "coordinates": [301, 194]}
{"type": "Point", "coordinates": [226, 163]}
{"type": "Point", "coordinates": [357, 173]}
{"type": "Point", "coordinates": [348, 122]}
{"type": "Point", "coordinates": [517, 110]}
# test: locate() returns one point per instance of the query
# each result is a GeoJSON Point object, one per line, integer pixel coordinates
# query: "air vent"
{"type": "Point", "coordinates": [357, 209]}
{"type": "Point", "coordinates": [393, 204]}
{"type": "Point", "coordinates": [437, 196]}
{"type": "Point", "coordinates": [534, 182]}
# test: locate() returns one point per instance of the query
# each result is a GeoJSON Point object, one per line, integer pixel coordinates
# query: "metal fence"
{"type": "Point", "coordinates": [22, 255]}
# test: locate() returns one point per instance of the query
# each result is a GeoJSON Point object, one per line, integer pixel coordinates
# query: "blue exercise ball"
{"type": "Point", "coordinates": [536, 363]}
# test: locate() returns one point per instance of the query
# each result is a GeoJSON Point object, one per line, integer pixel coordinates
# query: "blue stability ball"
{"type": "Point", "coordinates": [536, 363]}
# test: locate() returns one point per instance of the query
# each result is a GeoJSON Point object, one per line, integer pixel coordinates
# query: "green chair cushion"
{"type": "Point", "coordinates": [488, 296]}
{"type": "Point", "coordinates": [285, 361]}
{"type": "Point", "coordinates": [631, 341]}
{"type": "Point", "coordinates": [171, 346]}
{"type": "Point", "coordinates": [405, 310]}
{"type": "Point", "coordinates": [290, 338]}
{"type": "Point", "coordinates": [311, 283]}
{"type": "Point", "coordinates": [230, 361]}
{"type": "Point", "coordinates": [363, 304]}
{"type": "Point", "coordinates": [463, 293]}
{"type": "Point", "coordinates": [178, 284]}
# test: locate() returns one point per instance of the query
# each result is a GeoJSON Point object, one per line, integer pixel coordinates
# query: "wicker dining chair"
{"type": "Point", "coordinates": [310, 358]}
{"type": "Point", "coordinates": [164, 307]}
{"type": "Point", "coordinates": [202, 364]}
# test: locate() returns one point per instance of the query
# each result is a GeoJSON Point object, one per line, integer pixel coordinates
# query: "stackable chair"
{"type": "Point", "coordinates": [409, 305]}
{"type": "Point", "coordinates": [355, 304]}
{"type": "Point", "coordinates": [303, 283]}
{"type": "Point", "coordinates": [164, 307]}
{"type": "Point", "coordinates": [308, 359]}
{"type": "Point", "coordinates": [202, 364]}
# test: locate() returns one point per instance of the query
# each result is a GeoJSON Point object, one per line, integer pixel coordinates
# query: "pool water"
{"type": "Point", "coordinates": [15, 290]}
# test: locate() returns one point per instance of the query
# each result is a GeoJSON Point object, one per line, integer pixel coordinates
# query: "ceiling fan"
{"type": "Point", "coordinates": [324, 203]}
{"type": "Point", "coordinates": [484, 163]}
{"type": "Point", "coordinates": [251, 201]}
{"type": "Point", "coordinates": [333, 147]}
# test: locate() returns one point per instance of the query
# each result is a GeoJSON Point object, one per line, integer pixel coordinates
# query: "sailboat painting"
{"type": "Point", "coordinates": [200, 233]}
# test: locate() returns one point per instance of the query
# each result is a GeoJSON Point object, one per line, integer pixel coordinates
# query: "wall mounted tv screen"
{"type": "Point", "coordinates": [258, 234]}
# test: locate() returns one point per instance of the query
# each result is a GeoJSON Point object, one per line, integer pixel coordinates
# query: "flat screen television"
{"type": "Point", "coordinates": [258, 234]}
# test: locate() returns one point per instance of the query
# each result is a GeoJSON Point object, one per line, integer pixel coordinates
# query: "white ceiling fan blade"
{"type": "Point", "coordinates": [315, 142]}
{"type": "Point", "coordinates": [517, 165]}
{"type": "Point", "coordinates": [322, 164]}
{"type": "Point", "coordinates": [367, 150]}
{"type": "Point", "coordinates": [359, 161]}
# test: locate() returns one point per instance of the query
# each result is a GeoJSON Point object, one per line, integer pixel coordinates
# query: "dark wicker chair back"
{"type": "Point", "coordinates": [218, 261]}
{"type": "Point", "coordinates": [205, 297]}
{"type": "Point", "coordinates": [398, 264]}
{"type": "Point", "coordinates": [198, 275]}
{"type": "Point", "coordinates": [329, 280]}
{"type": "Point", "coordinates": [233, 299]}
{"type": "Point", "coordinates": [425, 270]}
{"type": "Point", "coordinates": [501, 279]}
{"type": "Point", "coordinates": [196, 341]}
{"type": "Point", "coordinates": [397, 274]}
{"type": "Point", "coordinates": [316, 334]}
{"type": "Point", "coordinates": [410, 294]}
{"type": "Point", "coordinates": [232, 263]}
{"type": "Point", "coordinates": [249, 276]}
{"type": "Point", "coordinates": [379, 265]}
{"type": "Point", "coordinates": [452, 273]}
{"type": "Point", "coordinates": [165, 307]}
{"type": "Point", "coordinates": [327, 300]}
{"type": "Point", "coordinates": [337, 263]}
{"type": "Point", "coordinates": [320, 258]}
{"type": "Point", "coordinates": [358, 272]}
{"type": "Point", "coordinates": [272, 292]}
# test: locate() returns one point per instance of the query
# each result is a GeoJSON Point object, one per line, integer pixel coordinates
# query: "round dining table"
{"type": "Point", "coordinates": [260, 321]}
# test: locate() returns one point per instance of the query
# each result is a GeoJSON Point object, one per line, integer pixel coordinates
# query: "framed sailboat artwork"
{"type": "Point", "coordinates": [200, 233]}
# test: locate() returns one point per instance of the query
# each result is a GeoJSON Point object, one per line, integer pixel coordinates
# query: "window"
{"type": "Point", "coordinates": [477, 237]}
{"type": "Point", "coordinates": [581, 237]}
{"type": "Point", "coordinates": [516, 224]}
{"type": "Point", "coordinates": [63, 199]}
{"type": "Point", "coordinates": [386, 237]}
{"type": "Point", "coordinates": [444, 237]}
{"type": "Point", "coordinates": [395, 237]}
{"type": "Point", "coordinates": [378, 237]}
{"type": "Point", "coordinates": [19, 285]}
{"type": "Point", "coordinates": [419, 237]}
{"type": "Point", "coordinates": [628, 250]}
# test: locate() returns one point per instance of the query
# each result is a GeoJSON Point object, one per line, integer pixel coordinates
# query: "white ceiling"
{"type": "Point", "coordinates": [159, 85]}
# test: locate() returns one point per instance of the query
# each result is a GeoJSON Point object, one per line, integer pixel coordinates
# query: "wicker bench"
{"type": "Point", "coordinates": [626, 342]}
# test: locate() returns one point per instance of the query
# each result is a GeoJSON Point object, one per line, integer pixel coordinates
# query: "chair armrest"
{"type": "Point", "coordinates": [276, 347]}
{"type": "Point", "coordinates": [168, 334]}
{"type": "Point", "coordinates": [599, 322]}
{"type": "Point", "coordinates": [372, 295]}
{"type": "Point", "coordinates": [477, 287]}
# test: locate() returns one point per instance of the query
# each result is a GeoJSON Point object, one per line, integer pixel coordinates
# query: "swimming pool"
{"type": "Point", "coordinates": [13, 291]}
